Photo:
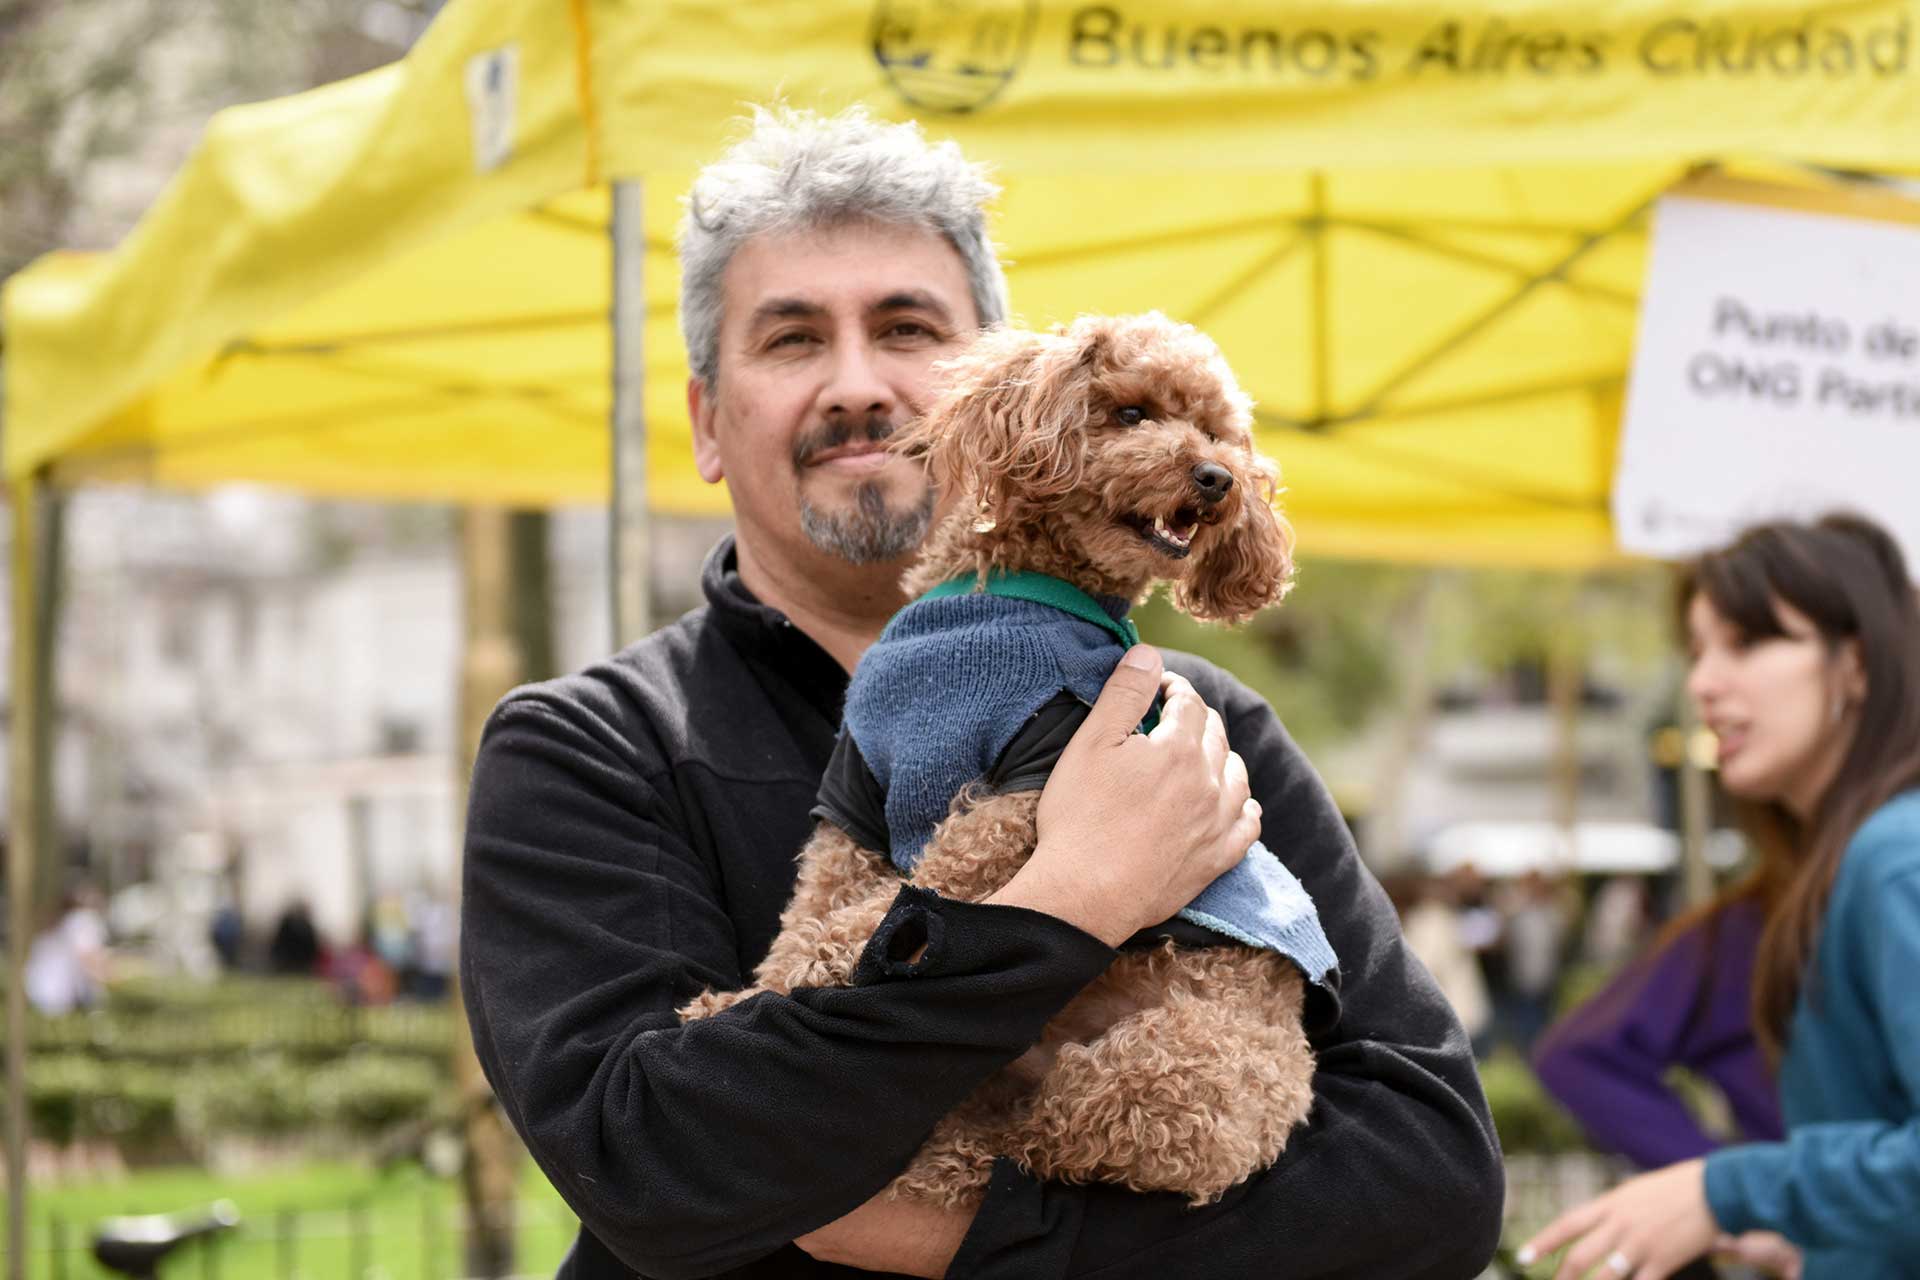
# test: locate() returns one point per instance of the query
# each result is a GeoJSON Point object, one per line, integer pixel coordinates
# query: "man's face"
{"type": "Point", "coordinates": [827, 341]}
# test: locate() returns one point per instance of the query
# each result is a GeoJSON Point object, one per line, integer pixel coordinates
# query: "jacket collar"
{"type": "Point", "coordinates": [764, 635]}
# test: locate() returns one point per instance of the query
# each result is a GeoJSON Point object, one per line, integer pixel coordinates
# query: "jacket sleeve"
{"type": "Point", "coordinates": [1851, 1185]}
{"type": "Point", "coordinates": [1606, 1061]}
{"type": "Point", "coordinates": [1397, 1171]}
{"type": "Point", "coordinates": [686, 1150]}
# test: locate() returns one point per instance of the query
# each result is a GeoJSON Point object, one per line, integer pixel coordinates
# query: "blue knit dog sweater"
{"type": "Point", "coordinates": [954, 677]}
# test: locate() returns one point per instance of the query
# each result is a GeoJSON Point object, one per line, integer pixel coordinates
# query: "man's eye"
{"type": "Point", "coordinates": [908, 329]}
{"type": "Point", "coordinates": [790, 339]}
{"type": "Point", "coordinates": [1131, 415]}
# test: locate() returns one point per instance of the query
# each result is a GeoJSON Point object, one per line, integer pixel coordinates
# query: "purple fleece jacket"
{"type": "Point", "coordinates": [1606, 1060]}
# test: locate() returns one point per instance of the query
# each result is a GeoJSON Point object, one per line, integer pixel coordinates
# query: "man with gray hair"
{"type": "Point", "coordinates": [633, 830]}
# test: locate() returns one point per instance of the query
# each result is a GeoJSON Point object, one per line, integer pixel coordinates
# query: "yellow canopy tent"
{"type": "Point", "coordinates": [1417, 234]}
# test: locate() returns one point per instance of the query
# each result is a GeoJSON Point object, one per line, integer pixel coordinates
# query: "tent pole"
{"type": "Point", "coordinates": [1696, 811]}
{"type": "Point", "coordinates": [1566, 674]}
{"type": "Point", "coordinates": [26, 763]}
{"type": "Point", "coordinates": [491, 664]}
{"type": "Point", "coordinates": [1322, 289]}
{"type": "Point", "coordinates": [629, 567]}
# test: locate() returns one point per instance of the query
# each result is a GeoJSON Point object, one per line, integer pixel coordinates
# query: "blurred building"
{"type": "Point", "coordinates": [1489, 753]}
{"type": "Point", "coordinates": [257, 696]}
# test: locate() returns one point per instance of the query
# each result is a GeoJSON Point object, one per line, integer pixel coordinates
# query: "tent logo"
{"type": "Point", "coordinates": [951, 55]}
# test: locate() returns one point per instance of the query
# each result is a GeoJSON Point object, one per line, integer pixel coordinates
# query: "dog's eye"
{"type": "Point", "coordinates": [1131, 415]}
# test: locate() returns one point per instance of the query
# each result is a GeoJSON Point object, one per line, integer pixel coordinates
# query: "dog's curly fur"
{"type": "Point", "coordinates": [1176, 1070]}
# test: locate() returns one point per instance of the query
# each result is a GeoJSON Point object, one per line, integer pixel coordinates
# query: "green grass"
{"type": "Point", "coordinates": [313, 1222]}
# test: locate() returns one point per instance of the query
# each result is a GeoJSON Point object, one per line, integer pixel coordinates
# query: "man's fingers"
{"type": "Point", "coordinates": [1246, 829]}
{"type": "Point", "coordinates": [1213, 740]}
{"type": "Point", "coordinates": [1235, 787]}
{"type": "Point", "coordinates": [1127, 697]}
{"type": "Point", "coordinates": [1183, 713]}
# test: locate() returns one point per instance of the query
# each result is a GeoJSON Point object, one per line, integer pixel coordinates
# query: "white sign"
{"type": "Point", "coordinates": [1777, 373]}
{"type": "Point", "coordinates": [493, 92]}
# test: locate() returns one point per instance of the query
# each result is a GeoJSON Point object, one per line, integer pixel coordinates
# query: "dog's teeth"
{"type": "Point", "coordinates": [1179, 537]}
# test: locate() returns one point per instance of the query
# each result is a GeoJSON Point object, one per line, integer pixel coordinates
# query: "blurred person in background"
{"type": "Point", "coordinates": [1804, 644]}
{"type": "Point", "coordinates": [389, 931]}
{"type": "Point", "coordinates": [1435, 929]}
{"type": "Point", "coordinates": [1481, 929]}
{"type": "Point", "coordinates": [295, 947]}
{"type": "Point", "coordinates": [68, 961]}
{"type": "Point", "coordinates": [633, 829]}
{"type": "Point", "coordinates": [1616, 923]}
{"type": "Point", "coordinates": [359, 973]}
{"type": "Point", "coordinates": [1533, 941]}
{"type": "Point", "coordinates": [435, 944]}
{"type": "Point", "coordinates": [227, 934]}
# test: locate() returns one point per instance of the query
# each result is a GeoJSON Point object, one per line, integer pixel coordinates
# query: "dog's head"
{"type": "Point", "coordinates": [1121, 444]}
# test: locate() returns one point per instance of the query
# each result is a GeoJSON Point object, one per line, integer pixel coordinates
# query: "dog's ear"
{"type": "Point", "coordinates": [1010, 427]}
{"type": "Point", "coordinates": [1249, 569]}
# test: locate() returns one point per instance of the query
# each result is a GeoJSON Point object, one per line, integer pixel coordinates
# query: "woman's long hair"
{"type": "Point", "coordinates": [1848, 577]}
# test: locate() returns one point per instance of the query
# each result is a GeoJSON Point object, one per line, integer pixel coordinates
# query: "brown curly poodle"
{"type": "Point", "coordinates": [1115, 454]}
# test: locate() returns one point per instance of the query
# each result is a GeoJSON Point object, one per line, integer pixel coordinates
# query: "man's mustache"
{"type": "Point", "coordinates": [839, 430]}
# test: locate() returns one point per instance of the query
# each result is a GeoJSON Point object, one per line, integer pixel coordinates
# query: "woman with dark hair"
{"type": "Point", "coordinates": [1804, 642]}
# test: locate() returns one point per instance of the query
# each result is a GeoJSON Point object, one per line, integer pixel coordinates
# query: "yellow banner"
{"type": "Point", "coordinates": [1050, 85]}
{"type": "Point", "coordinates": [1418, 233]}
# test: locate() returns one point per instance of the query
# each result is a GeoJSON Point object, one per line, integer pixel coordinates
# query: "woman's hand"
{"type": "Point", "coordinates": [1646, 1228]}
{"type": "Point", "coordinates": [1131, 826]}
{"type": "Point", "coordinates": [1766, 1251]}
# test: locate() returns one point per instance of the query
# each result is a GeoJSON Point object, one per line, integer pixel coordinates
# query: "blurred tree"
{"type": "Point", "coordinates": [531, 585]}
{"type": "Point", "coordinates": [492, 663]}
{"type": "Point", "coordinates": [1322, 658]}
{"type": "Point", "coordinates": [1358, 647]}
{"type": "Point", "coordinates": [1494, 619]}
{"type": "Point", "coordinates": [89, 83]}
{"type": "Point", "coordinates": [77, 90]}
{"type": "Point", "coordinates": [278, 46]}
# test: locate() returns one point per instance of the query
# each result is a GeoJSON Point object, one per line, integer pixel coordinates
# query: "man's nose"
{"type": "Point", "coordinates": [854, 384]}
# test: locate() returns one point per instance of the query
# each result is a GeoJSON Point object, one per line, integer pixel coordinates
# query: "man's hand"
{"type": "Point", "coordinates": [1132, 827]}
{"type": "Point", "coordinates": [892, 1235]}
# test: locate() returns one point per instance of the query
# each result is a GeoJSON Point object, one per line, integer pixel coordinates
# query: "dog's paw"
{"type": "Point", "coordinates": [708, 1003]}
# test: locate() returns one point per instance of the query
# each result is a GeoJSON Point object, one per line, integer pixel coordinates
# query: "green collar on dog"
{"type": "Point", "coordinates": [1041, 588]}
{"type": "Point", "coordinates": [1045, 589]}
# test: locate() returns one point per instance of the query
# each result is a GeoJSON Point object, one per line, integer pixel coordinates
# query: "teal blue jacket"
{"type": "Point", "coordinates": [1845, 1185]}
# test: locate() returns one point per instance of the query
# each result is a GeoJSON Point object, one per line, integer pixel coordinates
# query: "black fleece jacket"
{"type": "Point", "coordinates": [631, 841]}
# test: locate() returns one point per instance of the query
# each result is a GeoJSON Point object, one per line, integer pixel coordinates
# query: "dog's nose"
{"type": "Point", "coordinates": [1212, 480]}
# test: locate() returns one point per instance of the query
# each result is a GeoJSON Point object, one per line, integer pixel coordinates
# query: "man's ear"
{"type": "Point", "coordinates": [706, 441]}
